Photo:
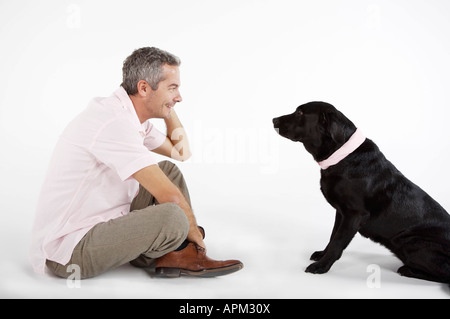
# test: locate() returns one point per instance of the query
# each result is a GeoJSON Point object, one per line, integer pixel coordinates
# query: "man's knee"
{"type": "Point", "coordinates": [173, 230]}
{"type": "Point", "coordinates": [175, 219]}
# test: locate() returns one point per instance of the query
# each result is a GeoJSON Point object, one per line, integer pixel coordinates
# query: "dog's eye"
{"type": "Point", "coordinates": [299, 113]}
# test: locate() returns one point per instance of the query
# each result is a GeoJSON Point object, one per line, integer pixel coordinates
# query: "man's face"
{"type": "Point", "coordinates": [159, 103]}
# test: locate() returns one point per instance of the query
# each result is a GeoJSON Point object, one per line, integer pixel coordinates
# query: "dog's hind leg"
{"type": "Point", "coordinates": [425, 258]}
{"type": "Point", "coordinates": [407, 271]}
{"type": "Point", "coordinates": [437, 273]}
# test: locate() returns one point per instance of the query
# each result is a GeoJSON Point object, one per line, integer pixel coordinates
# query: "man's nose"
{"type": "Point", "coordinates": [178, 98]}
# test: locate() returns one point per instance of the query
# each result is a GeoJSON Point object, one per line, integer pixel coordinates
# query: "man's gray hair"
{"type": "Point", "coordinates": [146, 64]}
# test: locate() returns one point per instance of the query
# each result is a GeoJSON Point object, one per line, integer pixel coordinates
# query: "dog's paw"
{"type": "Point", "coordinates": [317, 268]}
{"type": "Point", "coordinates": [316, 256]}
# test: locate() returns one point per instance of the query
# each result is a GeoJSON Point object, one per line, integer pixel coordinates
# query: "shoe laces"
{"type": "Point", "coordinates": [199, 248]}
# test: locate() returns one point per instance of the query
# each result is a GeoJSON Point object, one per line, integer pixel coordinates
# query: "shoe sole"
{"type": "Point", "coordinates": [205, 273]}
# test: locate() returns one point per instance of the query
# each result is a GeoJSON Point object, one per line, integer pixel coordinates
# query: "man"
{"type": "Point", "coordinates": [106, 201]}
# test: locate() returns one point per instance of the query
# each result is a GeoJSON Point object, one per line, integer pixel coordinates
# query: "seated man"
{"type": "Point", "coordinates": [106, 201]}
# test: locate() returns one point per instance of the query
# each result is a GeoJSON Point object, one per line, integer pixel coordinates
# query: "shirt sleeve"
{"type": "Point", "coordinates": [120, 146]}
{"type": "Point", "coordinates": [153, 137]}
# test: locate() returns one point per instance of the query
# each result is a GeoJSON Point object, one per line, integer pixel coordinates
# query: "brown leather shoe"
{"type": "Point", "coordinates": [192, 261]}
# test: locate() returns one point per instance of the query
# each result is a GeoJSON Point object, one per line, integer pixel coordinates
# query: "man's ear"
{"type": "Point", "coordinates": [143, 88]}
{"type": "Point", "coordinates": [330, 122]}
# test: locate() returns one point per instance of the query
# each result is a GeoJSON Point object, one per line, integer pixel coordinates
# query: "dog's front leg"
{"type": "Point", "coordinates": [316, 256]}
{"type": "Point", "coordinates": [346, 230]}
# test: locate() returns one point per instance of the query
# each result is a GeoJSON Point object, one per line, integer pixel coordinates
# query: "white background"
{"type": "Point", "coordinates": [385, 64]}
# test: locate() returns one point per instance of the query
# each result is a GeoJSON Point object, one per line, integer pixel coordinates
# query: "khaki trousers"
{"type": "Point", "coordinates": [149, 231]}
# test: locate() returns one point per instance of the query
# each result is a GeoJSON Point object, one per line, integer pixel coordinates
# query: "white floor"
{"type": "Point", "coordinates": [273, 234]}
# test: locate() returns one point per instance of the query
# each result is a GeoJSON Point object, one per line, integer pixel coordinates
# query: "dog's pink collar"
{"type": "Point", "coordinates": [349, 147]}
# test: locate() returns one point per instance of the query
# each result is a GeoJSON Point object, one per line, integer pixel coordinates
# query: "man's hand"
{"type": "Point", "coordinates": [196, 236]}
{"type": "Point", "coordinates": [176, 145]}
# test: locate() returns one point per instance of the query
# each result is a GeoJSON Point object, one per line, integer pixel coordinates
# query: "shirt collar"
{"type": "Point", "coordinates": [126, 102]}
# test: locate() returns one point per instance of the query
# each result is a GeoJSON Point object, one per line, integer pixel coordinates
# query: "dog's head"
{"type": "Point", "coordinates": [318, 125]}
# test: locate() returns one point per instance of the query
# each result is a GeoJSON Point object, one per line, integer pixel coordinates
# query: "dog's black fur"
{"type": "Point", "coordinates": [370, 197]}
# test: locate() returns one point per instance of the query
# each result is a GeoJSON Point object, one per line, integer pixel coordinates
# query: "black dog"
{"type": "Point", "coordinates": [370, 195]}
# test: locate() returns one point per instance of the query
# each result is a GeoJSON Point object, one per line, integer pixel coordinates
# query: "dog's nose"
{"type": "Point", "coordinates": [275, 121]}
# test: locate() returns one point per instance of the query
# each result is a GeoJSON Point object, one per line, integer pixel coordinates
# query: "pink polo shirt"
{"type": "Point", "coordinates": [89, 180]}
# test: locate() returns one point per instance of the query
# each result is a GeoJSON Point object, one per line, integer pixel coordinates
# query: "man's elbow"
{"type": "Point", "coordinates": [174, 198]}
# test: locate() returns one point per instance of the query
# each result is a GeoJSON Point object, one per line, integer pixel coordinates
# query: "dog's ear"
{"type": "Point", "coordinates": [333, 127]}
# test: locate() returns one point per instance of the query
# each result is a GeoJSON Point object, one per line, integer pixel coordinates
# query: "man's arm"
{"type": "Point", "coordinates": [153, 179]}
{"type": "Point", "coordinates": [176, 145]}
